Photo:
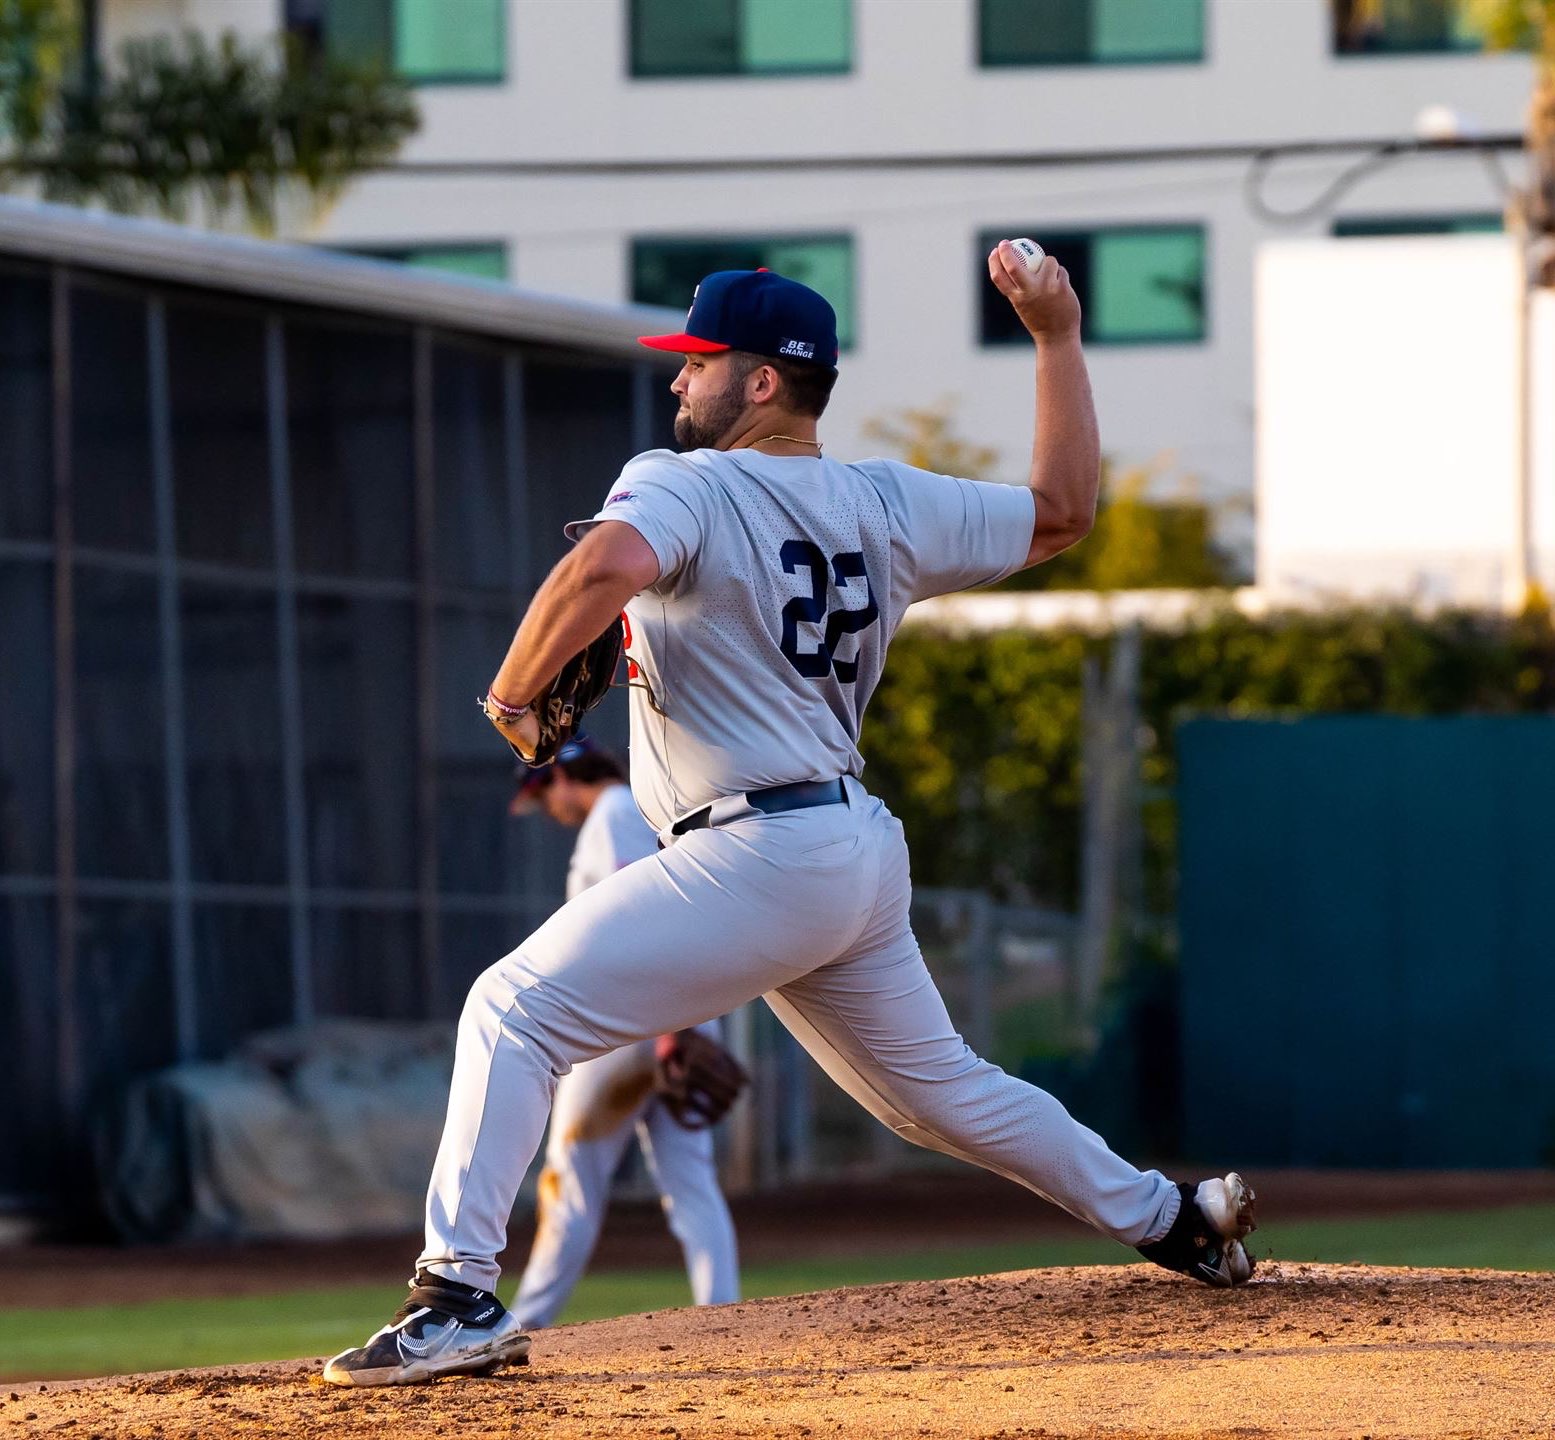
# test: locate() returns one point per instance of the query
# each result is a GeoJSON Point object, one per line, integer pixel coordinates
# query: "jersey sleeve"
{"type": "Point", "coordinates": [666, 501]}
{"type": "Point", "coordinates": [956, 534]}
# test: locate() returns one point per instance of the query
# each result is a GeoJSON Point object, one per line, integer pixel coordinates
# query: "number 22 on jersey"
{"type": "Point", "coordinates": [844, 572]}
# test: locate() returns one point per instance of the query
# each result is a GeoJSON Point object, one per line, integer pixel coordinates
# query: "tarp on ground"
{"type": "Point", "coordinates": [316, 1132]}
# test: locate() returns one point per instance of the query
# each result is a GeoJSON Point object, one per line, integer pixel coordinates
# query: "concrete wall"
{"type": "Point", "coordinates": [915, 88]}
{"type": "Point", "coordinates": [135, 19]}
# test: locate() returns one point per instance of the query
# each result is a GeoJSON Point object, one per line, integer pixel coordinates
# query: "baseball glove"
{"type": "Point", "coordinates": [581, 684]}
{"type": "Point", "coordinates": [696, 1078]}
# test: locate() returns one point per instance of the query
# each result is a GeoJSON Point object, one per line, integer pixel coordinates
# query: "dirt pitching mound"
{"type": "Point", "coordinates": [1305, 1351]}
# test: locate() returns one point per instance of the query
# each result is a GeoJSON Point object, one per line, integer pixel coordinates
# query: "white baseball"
{"type": "Point", "coordinates": [1029, 251]}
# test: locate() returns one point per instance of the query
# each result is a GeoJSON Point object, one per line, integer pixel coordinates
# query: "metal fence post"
{"type": "Point", "coordinates": [290, 677]}
{"type": "Point", "coordinates": [174, 749]}
{"type": "Point", "coordinates": [1110, 711]}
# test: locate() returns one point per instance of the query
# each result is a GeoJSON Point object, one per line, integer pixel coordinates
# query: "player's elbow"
{"type": "Point", "coordinates": [1055, 533]}
{"type": "Point", "coordinates": [615, 558]}
{"type": "Point", "coordinates": [1078, 523]}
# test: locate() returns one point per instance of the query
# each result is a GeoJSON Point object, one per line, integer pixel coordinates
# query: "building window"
{"type": "Point", "coordinates": [483, 261]}
{"type": "Point", "coordinates": [1090, 32]}
{"type": "Point", "coordinates": [428, 42]}
{"type": "Point", "coordinates": [1141, 285]}
{"type": "Point", "coordinates": [666, 272]}
{"type": "Point", "coordinates": [1404, 27]}
{"type": "Point", "coordinates": [741, 37]}
{"type": "Point", "coordinates": [1485, 224]}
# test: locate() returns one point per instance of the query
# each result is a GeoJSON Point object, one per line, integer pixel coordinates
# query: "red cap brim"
{"type": "Point", "coordinates": [682, 344]}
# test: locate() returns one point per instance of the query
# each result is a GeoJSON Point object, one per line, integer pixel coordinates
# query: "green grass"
{"type": "Point", "coordinates": [1519, 1238]}
{"type": "Point", "coordinates": [168, 1334]}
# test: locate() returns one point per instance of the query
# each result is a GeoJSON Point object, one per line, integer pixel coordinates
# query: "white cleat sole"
{"type": "Point", "coordinates": [1239, 1264]}
{"type": "Point", "coordinates": [510, 1349]}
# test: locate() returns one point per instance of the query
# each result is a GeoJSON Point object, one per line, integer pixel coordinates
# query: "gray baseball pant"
{"type": "Point", "coordinates": [810, 910]}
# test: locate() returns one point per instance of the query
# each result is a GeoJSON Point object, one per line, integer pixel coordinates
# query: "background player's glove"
{"type": "Point", "coordinates": [696, 1078]}
{"type": "Point", "coordinates": [559, 708]}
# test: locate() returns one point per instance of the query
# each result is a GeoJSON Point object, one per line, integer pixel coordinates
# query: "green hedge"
{"type": "Point", "coordinates": [974, 740]}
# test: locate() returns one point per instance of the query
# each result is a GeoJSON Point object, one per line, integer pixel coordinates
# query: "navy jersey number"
{"type": "Point", "coordinates": [811, 609]}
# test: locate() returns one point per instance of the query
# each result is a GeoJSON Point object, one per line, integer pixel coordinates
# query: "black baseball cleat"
{"type": "Point", "coordinates": [443, 1328]}
{"type": "Point", "coordinates": [1205, 1240]}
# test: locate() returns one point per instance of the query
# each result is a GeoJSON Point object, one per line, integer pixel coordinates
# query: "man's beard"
{"type": "Point", "coordinates": [717, 419]}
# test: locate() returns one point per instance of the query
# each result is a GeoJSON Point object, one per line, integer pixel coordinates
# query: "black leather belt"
{"type": "Point", "coordinates": [801, 795]}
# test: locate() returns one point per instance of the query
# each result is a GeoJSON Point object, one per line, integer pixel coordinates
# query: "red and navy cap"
{"type": "Point", "coordinates": [759, 312]}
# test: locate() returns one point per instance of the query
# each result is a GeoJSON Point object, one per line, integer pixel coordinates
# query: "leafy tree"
{"type": "Point", "coordinates": [926, 437]}
{"type": "Point", "coordinates": [975, 740]}
{"type": "Point", "coordinates": [175, 118]}
{"type": "Point", "coordinates": [38, 40]}
{"type": "Point", "coordinates": [1139, 543]}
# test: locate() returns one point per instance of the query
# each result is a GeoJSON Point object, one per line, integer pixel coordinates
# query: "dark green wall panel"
{"type": "Point", "coordinates": [1368, 970]}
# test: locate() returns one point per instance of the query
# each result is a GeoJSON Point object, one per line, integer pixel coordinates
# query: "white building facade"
{"type": "Point", "coordinates": [612, 150]}
{"type": "Point", "coordinates": [1406, 430]}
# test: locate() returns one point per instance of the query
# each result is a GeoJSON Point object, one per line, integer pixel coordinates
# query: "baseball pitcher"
{"type": "Point", "coordinates": [636, 1090]}
{"type": "Point", "coordinates": [762, 583]}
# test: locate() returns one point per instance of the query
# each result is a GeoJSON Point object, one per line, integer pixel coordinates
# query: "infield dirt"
{"type": "Point", "coordinates": [1304, 1351]}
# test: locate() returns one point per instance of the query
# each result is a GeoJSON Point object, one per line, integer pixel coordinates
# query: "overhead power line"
{"type": "Point", "coordinates": [981, 160]}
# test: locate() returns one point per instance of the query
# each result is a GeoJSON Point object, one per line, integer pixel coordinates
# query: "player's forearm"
{"type": "Point", "coordinates": [578, 600]}
{"type": "Point", "coordinates": [1066, 454]}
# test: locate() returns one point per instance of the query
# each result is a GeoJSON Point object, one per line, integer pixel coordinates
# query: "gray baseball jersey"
{"type": "Point", "coordinates": [782, 580]}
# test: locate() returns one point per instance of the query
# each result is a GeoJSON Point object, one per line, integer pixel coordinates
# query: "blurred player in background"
{"type": "Point", "coordinates": [602, 1103]}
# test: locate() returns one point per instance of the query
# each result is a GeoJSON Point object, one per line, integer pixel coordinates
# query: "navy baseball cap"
{"type": "Point", "coordinates": [759, 312]}
{"type": "Point", "coordinates": [531, 781]}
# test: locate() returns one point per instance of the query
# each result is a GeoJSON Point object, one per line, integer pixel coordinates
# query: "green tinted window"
{"type": "Point", "coordinates": [485, 262]}
{"type": "Point", "coordinates": [795, 35]}
{"type": "Point", "coordinates": [426, 41]}
{"type": "Point", "coordinates": [685, 37]}
{"type": "Point", "coordinates": [740, 37]}
{"type": "Point", "coordinates": [1404, 27]}
{"type": "Point", "coordinates": [1420, 225]}
{"type": "Point", "coordinates": [1148, 286]}
{"type": "Point", "coordinates": [1135, 286]}
{"type": "Point", "coordinates": [1084, 32]}
{"type": "Point", "coordinates": [359, 31]}
{"type": "Point", "coordinates": [666, 272]}
{"type": "Point", "coordinates": [449, 40]}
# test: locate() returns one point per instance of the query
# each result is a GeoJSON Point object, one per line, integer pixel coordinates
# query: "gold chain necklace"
{"type": "Point", "coordinates": [792, 439]}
